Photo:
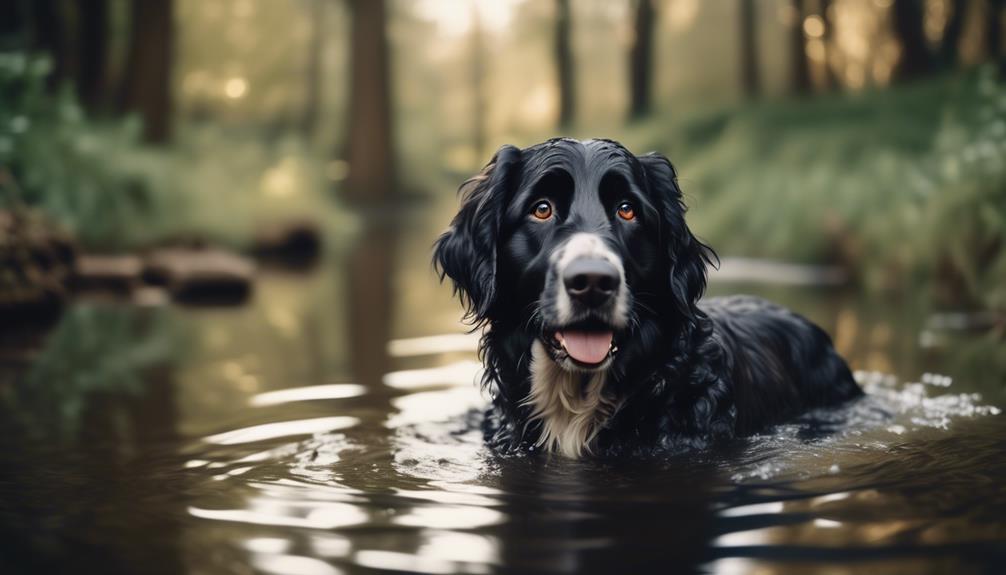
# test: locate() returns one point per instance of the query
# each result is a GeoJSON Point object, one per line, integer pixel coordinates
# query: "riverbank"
{"type": "Point", "coordinates": [904, 188]}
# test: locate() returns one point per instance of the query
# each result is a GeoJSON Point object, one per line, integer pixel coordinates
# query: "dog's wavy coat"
{"type": "Point", "coordinates": [575, 260]}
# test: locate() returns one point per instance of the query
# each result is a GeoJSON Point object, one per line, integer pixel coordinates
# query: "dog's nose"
{"type": "Point", "coordinates": [591, 281]}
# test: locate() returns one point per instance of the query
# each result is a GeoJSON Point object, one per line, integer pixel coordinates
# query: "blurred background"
{"type": "Point", "coordinates": [863, 134]}
{"type": "Point", "coordinates": [215, 228]}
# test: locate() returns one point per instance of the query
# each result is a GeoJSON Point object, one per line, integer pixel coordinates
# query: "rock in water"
{"type": "Point", "coordinates": [201, 276]}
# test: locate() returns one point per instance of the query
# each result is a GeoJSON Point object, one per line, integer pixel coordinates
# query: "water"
{"type": "Point", "coordinates": [329, 427]}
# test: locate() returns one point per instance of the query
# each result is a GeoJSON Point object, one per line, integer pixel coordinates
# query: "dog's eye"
{"type": "Point", "coordinates": [542, 210]}
{"type": "Point", "coordinates": [626, 212]}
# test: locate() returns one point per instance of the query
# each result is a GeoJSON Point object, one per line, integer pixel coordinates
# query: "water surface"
{"type": "Point", "coordinates": [329, 426]}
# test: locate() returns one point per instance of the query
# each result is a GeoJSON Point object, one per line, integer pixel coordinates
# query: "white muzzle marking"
{"type": "Point", "coordinates": [587, 245]}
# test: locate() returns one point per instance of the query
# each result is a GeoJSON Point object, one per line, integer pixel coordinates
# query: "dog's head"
{"type": "Point", "coordinates": [577, 243]}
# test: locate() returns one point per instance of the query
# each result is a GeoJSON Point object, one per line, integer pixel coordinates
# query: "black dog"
{"type": "Point", "coordinates": [575, 259]}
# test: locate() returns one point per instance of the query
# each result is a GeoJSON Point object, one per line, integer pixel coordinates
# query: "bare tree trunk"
{"type": "Point", "coordinates": [798, 51]}
{"type": "Point", "coordinates": [831, 79]}
{"type": "Point", "coordinates": [564, 64]}
{"type": "Point", "coordinates": [478, 71]}
{"type": "Point", "coordinates": [312, 87]}
{"type": "Point", "coordinates": [92, 76]}
{"type": "Point", "coordinates": [147, 86]}
{"type": "Point", "coordinates": [371, 159]}
{"type": "Point", "coordinates": [952, 33]}
{"type": "Point", "coordinates": [750, 77]}
{"type": "Point", "coordinates": [49, 34]}
{"type": "Point", "coordinates": [12, 23]}
{"type": "Point", "coordinates": [915, 57]}
{"type": "Point", "coordinates": [641, 60]}
{"type": "Point", "coordinates": [994, 35]}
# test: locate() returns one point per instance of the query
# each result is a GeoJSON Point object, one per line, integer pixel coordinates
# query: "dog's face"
{"type": "Point", "coordinates": [578, 240]}
{"type": "Point", "coordinates": [576, 243]}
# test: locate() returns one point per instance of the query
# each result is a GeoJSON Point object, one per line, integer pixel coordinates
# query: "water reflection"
{"type": "Point", "coordinates": [312, 393]}
{"type": "Point", "coordinates": [562, 515]}
{"type": "Point", "coordinates": [282, 564]}
{"type": "Point", "coordinates": [282, 429]}
{"type": "Point", "coordinates": [434, 344]}
{"type": "Point", "coordinates": [332, 425]}
{"type": "Point", "coordinates": [273, 510]}
{"type": "Point", "coordinates": [370, 279]}
{"type": "Point", "coordinates": [82, 427]}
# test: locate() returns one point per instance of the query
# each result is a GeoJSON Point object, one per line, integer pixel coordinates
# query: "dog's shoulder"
{"type": "Point", "coordinates": [779, 362]}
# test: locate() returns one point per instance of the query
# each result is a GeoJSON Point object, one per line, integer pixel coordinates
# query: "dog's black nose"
{"type": "Point", "coordinates": [591, 281]}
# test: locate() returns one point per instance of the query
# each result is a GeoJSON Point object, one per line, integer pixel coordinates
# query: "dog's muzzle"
{"type": "Point", "coordinates": [588, 298]}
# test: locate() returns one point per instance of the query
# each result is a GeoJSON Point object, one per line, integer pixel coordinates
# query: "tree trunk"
{"type": "Point", "coordinates": [831, 79]}
{"type": "Point", "coordinates": [92, 74]}
{"type": "Point", "coordinates": [371, 161]}
{"type": "Point", "coordinates": [49, 34]}
{"type": "Point", "coordinates": [993, 35]}
{"type": "Point", "coordinates": [312, 87]}
{"type": "Point", "coordinates": [12, 23]}
{"type": "Point", "coordinates": [916, 60]}
{"type": "Point", "coordinates": [952, 33]}
{"type": "Point", "coordinates": [641, 60]}
{"type": "Point", "coordinates": [798, 51]}
{"type": "Point", "coordinates": [147, 86]}
{"type": "Point", "coordinates": [478, 71]}
{"type": "Point", "coordinates": [750, 77]}
{"type": "Point", "coordinates": [564, 64]}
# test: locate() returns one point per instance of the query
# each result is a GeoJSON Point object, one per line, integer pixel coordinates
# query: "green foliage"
{"type": "Point", "coordinates": [905, 187]}
{"type": "Point", "coordinates": [95, 353]}
{"type": "Point", "coordinates": [966, 204]}
{"type": "Point", "coordinates": [113, 193]}
{"type": "Point", "coordinates": [70, 166]}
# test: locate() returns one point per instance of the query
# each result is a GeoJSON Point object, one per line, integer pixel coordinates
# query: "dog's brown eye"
{"type": "Point", "coordinates": [626, 212]}
{"type": "Point", "coordinates": [542, 210]}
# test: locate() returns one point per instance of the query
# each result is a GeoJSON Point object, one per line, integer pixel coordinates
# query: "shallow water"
{"type": "Point", "coordinates": [328, 427]}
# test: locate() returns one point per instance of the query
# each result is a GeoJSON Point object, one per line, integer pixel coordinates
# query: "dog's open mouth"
{"type": "Point", "coordinates": [587, 346]}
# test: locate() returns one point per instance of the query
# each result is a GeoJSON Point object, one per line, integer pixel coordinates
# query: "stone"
{"type": "Point", "coordinates": [201, 275]}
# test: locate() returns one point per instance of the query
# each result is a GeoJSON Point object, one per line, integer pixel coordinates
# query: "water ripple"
{"type": "Point", "coordinates": [282, 429]}
{"type": "Point", "coordinates": [309, 393]}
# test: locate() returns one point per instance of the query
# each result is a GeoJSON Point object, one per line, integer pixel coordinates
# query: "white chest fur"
{"type": "Point", "coordinates": [571, 412]}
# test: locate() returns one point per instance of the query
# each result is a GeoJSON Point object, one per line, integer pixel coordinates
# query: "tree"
{"type": "Point", "coordinates": [12, 23]}
{"type": "Point", "coordinates": [478, 80]}
{"type": "Point", "coordinates": [92, 73]}
{"type": "Point", "coordinates": [564, 64]}
{"type": "Point", "coordinates": [831, 79]}
{"type": "Point", "coordinates": [994, 34]}
{"type": "Point", "coordinates": [915, 57]}
{"type": "Point", "coordinates": [315, 49]}
{"type": "Point", "coordinates": [800, 79]}
{"type": "Point", "coordinates": [952, 34]}
{"type": "Point", "coordinates": [750, 77]}
{"type": "Point", "coordinates": [146, 89]}
{"type": "Point", "coordinates": [48, 32]}
{"type": "Point", "coordinates": [371, 160]}
{"type": "Point", "coordinates": [641, 60]}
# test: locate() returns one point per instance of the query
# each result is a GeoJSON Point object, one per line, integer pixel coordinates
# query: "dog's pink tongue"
{"type": "Point", "coordinates": [587, 346]}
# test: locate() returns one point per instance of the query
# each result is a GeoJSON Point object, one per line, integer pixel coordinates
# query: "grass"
{"type": "Point", "coordinates": [904, 187]}
{"type": "Point", "coordinates": [113, 193]}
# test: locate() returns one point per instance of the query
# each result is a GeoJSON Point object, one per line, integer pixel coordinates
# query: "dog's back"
{"type": "Point", "coordinates": [781, 364]}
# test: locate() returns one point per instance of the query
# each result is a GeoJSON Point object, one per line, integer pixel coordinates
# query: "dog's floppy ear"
{"type": "Point", "coordinates": [466, 252]}
{"type": "Point", "coordinates": [688, 257]}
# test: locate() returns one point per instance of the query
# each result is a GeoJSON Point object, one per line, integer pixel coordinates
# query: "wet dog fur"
{"type": "Point", "coordinates": [679, 373]}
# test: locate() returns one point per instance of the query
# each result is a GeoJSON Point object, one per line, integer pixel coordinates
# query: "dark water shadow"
{"type": "Point", "coordinates": [84, 430]}
{"type": "Point", "coordinates": [606, 517]}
